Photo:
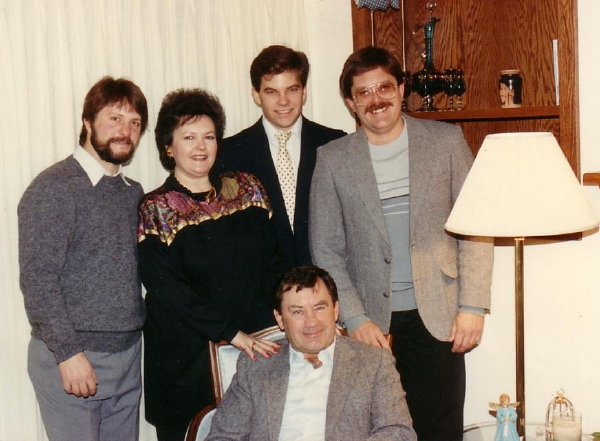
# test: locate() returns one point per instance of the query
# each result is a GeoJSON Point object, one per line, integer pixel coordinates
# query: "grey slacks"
{"type": "Point", "coordinates": [110, 415]}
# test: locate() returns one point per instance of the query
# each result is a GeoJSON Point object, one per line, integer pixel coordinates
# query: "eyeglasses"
{"type": "Point", "coordinates": [386, 91]}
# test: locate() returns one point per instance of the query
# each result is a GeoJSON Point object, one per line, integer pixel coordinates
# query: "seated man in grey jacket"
{"type": "Point", "coordinates": [320, 386]}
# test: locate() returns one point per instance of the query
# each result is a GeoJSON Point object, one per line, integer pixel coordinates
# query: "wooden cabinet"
{"type": "Point", "coordinates": [482, 38]}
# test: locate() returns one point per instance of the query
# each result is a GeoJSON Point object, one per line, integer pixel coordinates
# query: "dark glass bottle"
{"type": "Point", "coordinates": [511, 86]}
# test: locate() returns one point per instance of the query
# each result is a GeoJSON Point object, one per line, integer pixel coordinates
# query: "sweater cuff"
{"type": "Point", "coordinates": [354, 322]}
{"type": "Point", "coordinates": [66, 351]}
{"type": "Point", "coordinates": [473, 310]}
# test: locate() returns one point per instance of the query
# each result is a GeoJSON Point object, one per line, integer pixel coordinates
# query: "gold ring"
{"type": "Point", "coordinates": [252, 347]}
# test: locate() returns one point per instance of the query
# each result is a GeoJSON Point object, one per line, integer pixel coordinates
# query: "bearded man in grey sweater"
{"type": "Point", "coordinates": [78, 274]}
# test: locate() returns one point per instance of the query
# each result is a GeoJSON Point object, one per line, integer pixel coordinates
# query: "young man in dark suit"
{"type": "Point", "coordinates": [279, 75]}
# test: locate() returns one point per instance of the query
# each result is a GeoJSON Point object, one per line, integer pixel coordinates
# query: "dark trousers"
{"type": "Point", "coordinates": [432, 376]}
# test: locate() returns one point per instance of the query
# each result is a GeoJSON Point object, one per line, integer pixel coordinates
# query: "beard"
{"type": "Point", "coordinates": [106, 153]}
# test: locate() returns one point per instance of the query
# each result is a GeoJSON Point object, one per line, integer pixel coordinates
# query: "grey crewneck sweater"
{"type": "Point", "coordinates": [78, 261]}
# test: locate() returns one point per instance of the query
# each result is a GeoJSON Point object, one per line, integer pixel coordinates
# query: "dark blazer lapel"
{"type": "Point", "coordinates": [275, 382]}
{"type": "Point", "coordinates": [364, 179]}
{"type": "Point", "coordinates": [340, 386]}
{"type": "Point", "coordinates": [263, 160]}
{"type": "Point", "coordinates": [263, 163]}
{"type": "Point", "coordinates": [308, 158]}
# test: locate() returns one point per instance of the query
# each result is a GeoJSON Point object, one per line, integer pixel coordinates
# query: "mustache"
{"type": "Point", "coordinates": [378, 105]}
{"type": "Point", "coordinates": [120, 139]}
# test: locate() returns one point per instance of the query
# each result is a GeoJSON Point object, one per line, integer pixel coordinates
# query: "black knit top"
{"type": "Point", "coordinates": [210, 264]}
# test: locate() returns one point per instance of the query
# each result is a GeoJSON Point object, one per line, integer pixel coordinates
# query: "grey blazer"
{"type": "Point", "coordinates": [349, 237]}
{"type": "Point", "coordinates": [365, 402]}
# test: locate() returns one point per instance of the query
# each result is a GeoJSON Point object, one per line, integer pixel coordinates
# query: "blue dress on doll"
{"type": "Point", "coordinates": [506, 430]}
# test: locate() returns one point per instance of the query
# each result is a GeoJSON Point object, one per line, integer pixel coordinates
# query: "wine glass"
{"type": "Point", "coordinates": [449, 88]}
{"type": "Point", "coordinates": [460, 87]}
{"type": "Point", "coordinates": [427, 84]}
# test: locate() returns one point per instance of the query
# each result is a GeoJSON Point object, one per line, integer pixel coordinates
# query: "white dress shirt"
{"type": "Point", "coordinates": [293, 144]}
{"type": "Point", "coordinates": [304, 414]}
{"type": "Point", "coordinates": [93, 168]}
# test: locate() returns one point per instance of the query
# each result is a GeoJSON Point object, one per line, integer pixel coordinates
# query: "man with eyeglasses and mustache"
{"type": "Point", "coordinates": [379, 200]}
{"type": "Point", "coordinates": [78, 274]}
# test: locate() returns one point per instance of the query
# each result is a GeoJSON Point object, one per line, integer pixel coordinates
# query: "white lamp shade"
{"type": "Point", "coordinates": [520, 185]}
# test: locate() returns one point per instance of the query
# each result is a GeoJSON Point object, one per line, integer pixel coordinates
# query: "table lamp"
{"type": "Point", "coordinates": [519, 186]}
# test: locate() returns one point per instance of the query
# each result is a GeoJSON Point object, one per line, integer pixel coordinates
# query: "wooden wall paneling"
{"type": "Point", "coordinates": [483, 38]}
{"type": "Point", "coordinates": [475, 53]}
{"type": "Point", "coordinates": [361, 27]}
{"type": "Point", "coordinates": [389, 31]}
{"type": "Point", "coordinates": [568, 82]}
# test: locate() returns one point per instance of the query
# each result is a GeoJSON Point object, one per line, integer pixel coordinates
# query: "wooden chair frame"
{"type": "Point", "coordinates": [272, 333]}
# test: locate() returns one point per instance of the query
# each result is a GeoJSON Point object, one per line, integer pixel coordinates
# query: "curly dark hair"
{"type": "Point", "coordinates": [179, 107]}
{"type": "Point", "coordinates": [364, 60]}
{"type": "Point", "coordinates": [277, 59]}
{"type": "Point", "coordinates": [301, 277]}
{"type": "Point", "coordinates": [112, 91]}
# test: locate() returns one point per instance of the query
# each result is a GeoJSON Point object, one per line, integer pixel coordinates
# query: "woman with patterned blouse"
{"type": "Point", "coordinates": [208, 260]}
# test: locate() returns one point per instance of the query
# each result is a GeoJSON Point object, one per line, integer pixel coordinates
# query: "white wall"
{"type": "Point", "coordinates": [330, 43]}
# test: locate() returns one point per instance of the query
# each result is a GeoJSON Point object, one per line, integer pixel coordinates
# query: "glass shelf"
{"type": "Point", "coordinates": [534, 431]}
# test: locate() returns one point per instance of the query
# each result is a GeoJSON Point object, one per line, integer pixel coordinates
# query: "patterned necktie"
{"type": "Point", "coordinates": [286, 174]}
{"type": "Point", "coordinates": [378, 5]}
{"type": "Point", "coordinates": [314, 360]}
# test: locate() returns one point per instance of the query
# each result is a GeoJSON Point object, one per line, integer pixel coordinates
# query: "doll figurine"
{"type": "Point", "coordinates": [506, 415]}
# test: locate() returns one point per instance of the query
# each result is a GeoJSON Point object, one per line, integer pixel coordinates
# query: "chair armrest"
{"type": "Point", "coordinates": [199, 419]}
